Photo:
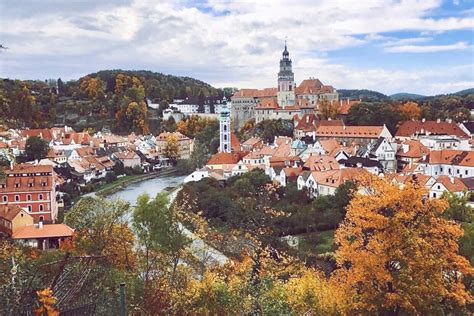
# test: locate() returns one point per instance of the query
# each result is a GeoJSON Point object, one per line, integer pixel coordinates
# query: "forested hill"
{"type": "Point", "coordinates": [116, 99]}
{"type": "Point", "coordinates": [362, 94]}
{"type": "Point", "coordinates": [160, 86]}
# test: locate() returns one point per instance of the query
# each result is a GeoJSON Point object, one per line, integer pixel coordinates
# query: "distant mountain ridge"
{"type": "Point", "coordinates": [375, 96]}
{"type": "Point", "coordinates": [405, 96]}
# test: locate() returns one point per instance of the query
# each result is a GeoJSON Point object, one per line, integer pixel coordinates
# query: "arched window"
{"type": "Point", "coordinates": [41, 208]}
{"type": "Point", "coordinates": [225, 137]}
{"type": "Point", "coordinates": [5, 198]}
{"type": "Point", "coordinates": [225, 128]}
{"type": "Point", "coordinates": [41, 219]}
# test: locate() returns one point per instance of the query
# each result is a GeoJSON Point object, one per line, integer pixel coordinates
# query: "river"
{"type": "Point", "coordinates": [151, 186]}
{"type": "Point", "coordinates": [156, 185]}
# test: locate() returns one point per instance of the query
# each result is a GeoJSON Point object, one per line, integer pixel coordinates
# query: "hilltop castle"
{"type": "Point", "coordinates": [283, 102]}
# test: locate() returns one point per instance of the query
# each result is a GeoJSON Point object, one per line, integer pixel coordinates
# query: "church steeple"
{"type": "Point", "coordinates": [285, 53]}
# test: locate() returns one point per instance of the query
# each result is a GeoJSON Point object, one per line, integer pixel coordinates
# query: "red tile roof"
{"type": "Point", "coordinates": [409, 128]}
{"type": "Point", "coordinates": [452, 184]}
{"type": "Point", "coordinates": [256, 93]}
{"type": "Point", "coordinates": [223, 159]}
{"type": "Point", "coordinates": [48, 231]}
{"type": "Point", "coordinates": [267, 103]}
{"type": "Point", "coordinates": [9, 212]}
{"type": "Point", "coordinates": [415, 149]}
{"type": "Point", "coordinates": [349, 131]}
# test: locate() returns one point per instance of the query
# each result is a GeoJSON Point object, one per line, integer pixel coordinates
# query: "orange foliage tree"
{"type": "Point", "coordinates": [410, 111]}
{"type": "Point", "coordinates": [397, 254]}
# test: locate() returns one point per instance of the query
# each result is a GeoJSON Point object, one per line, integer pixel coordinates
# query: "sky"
{"type": "Point", "coordinates": [424, 46]}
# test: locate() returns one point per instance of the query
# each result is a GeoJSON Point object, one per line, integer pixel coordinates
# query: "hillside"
{"type": "Point", "coordinates": [406, 96]}
{"type": "Point", "coordinates": [363, 94]}
{"type": "Point", "coordinates": [98, 100]}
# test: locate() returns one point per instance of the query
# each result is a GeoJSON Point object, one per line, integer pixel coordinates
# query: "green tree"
{"type": "Point", "coordinates": [159, 232]}
{"type": "Point", "coordinates": [36, 148]}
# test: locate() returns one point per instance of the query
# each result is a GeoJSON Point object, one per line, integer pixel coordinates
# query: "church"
{"type": "Point", "coordinates": [283, 102]}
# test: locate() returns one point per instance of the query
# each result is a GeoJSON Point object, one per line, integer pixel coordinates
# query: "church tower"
{"type": "Point", "coordinates": [286, 81]}
{"type": "Point", "coordinates": [224, 129]}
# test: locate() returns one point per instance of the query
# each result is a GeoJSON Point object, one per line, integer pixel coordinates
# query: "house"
{"type": "Point", "coordinates": [447, 184]}
{"type": "Point", "coordinates": [385, 153]}
{"type": "Point", "coordinates": [361, 135]}
{"type": "Point", "coordinates": [11, 218]}
{"type": "Point", "coordinates": [224, 162]}
{"type": "Point", "coordinates": [239, 169]}
{"type": "Point", "coordinates": [251, 144]}
{"type": "Point", "coordinates": [409, 153]}
{"type": "Point", "coordinates": [288, 175]}
{"type": "Point", "coordinates": [371, 165]}
{"type": "Point", "coordinates": [448, 162]}
{"type": "Point", "coordinates": [197, 175]}
{"type": "Point", "coordinates": [43, 236]}
{"type": "Point", "coordinates": [33, 188]}
{"type": "Point", "coordinates": [129, 158]}
{"type": "Point", "coordinates": [415, 129]}
{"type": "Point", "coordinates": [468, 128]}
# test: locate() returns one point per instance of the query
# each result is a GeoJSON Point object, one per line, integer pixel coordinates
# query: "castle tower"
{"type": "Point", "coordinates": [224, 129]}
{"type": "Point", "coordinates": [286, 81]}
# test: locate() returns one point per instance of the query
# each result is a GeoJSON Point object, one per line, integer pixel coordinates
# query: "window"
{"type": "Point", "coordinates": [41, 219]}
{"type": "Point", "coordinates": [28, 197]}
{"type": "Point", "coordinates": [5, 198]}
{"type": "Point", "coordinates": [465, 172]}
{"type": "Point", "coordinates": [17, 198]}
{"type": "Point", "coordinates": [40, 196]}
{"type": "Point", "coordinates": [41, 208]}
{"type": "Point", "coordinates": [30, 208]}
{"type": "Point", "coordinates": [17, 185]}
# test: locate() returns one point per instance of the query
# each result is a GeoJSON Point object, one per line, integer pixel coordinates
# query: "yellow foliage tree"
{"type": "Point", "coordinates": [46, 302]}
{"type": "Point", "coordinates": [410, 111]}
{"type": "Point", "coordinates": [397, 254]}
{"type": "Point", "coordinates": [327, 109]}
{"type": "Point", "coordinates": [92, 87]}
{"type": "Point", "coordinates": [171, 150]}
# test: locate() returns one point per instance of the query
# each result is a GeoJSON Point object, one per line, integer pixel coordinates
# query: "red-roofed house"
{"type": "Point", "coordinates": [33, 188]}
{"type": "Point", "coordinates": [414, 129]}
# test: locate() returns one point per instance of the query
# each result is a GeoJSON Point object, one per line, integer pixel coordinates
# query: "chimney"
{"type": "Point", "coordinates": [40, 225]}
{"type": "Point", "coordinates": [423, 120]}
{"type": "Point", "coordinates": [359, 165]}
{"type": "Point", "coordinates": [451, 178]}
{"type": "Point", "coordinates": [438, 120]}
{"type": "Point", "coordinates": [405, 148]}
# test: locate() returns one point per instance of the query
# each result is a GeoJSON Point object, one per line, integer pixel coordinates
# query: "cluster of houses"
{"type": "Point", "coordinates": [30, 192]}
{"type": "Point", "coordinates": [323, 154]}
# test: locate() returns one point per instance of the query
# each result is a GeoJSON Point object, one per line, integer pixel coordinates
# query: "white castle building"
{"type": "Point", "coordinates": [224, 129]}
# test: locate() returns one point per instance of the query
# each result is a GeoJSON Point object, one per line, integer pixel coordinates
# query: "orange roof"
{"type": "Point", "coordinates": [255, 93]}
{"type": "Point", "coordinates": [126, 155]}
{"type": "Point", "coordinates": [9, 212]}
{"type": "Point", "coordinates": [43, 133]}
{"type": "Point", "coordinates": [29, 168]}
{"type": "Point", "coordinates": [415, 149]}
{"type": "Point", "coordinates": [234, 142]}
{"type": "Point", "coordinates": [321, 163]}
{"type": "Point", "coordinates": [349, 131]}
{"type": "Point", "coordinates": [223, 159]}
{"type": "Point", "coordinates": [334, 178]}
{"type": "Point", "coordinates": [344, 106]}
{"type": "Point", "coordinates": [451, 157]}
{"type": "Point", "coordinates": [452, 184]}
{"type": "Point", "coordinates": [267, 103]}
{"type": "Point", "coordinates": [48, 231]}
{"type": "Point", "coordinates": [410, 128]}
{"type": "Point", "coordinates": [306, 123]}
{"type": "Point", "coordinates": [292, 172]}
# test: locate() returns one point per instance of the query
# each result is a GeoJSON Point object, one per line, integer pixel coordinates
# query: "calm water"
{"type": "Point", "coordinates": [151, 186]}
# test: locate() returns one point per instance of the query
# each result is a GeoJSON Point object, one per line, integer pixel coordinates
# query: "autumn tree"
{"type": "Point", "coordinates": [171, 150]}
{"type": "Point", "coordinates": [397, 254]}
{"type": "Point", "coordinates": [101, 229]}
{"type": "Point", "coordinates": [131, 109]}
{"type": "Point", "coordinates": [92, 87]}
{"type": "Point", "coordinates": [328, 109]}
{"type": "Point", "coordinates": [410, 111]}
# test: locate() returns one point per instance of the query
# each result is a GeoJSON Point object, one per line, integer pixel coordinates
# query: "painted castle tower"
{"type": "Point", "coordinates": [286, 81]}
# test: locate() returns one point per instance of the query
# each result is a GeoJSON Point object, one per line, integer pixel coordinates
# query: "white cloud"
{"type": "Point", "coordinates": [230, 42]}
{"type": "Point", "coordinates": [427, 48]}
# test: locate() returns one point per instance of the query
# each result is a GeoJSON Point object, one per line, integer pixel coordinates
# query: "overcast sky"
{"type": "Point", "coordinates": [424, 46]}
